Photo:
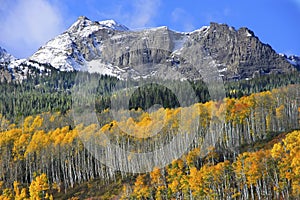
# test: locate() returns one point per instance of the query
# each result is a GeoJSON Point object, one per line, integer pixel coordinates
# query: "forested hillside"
{"type": "Point", "coordinates": [43, 154]}
{"type": "Point", "coordinates": [52, 93]}
{"type": "Point", "coordinates": [263, 174]}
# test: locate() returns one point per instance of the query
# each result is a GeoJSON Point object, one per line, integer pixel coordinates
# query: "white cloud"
{"type": "Point", "coordinates": [183, 18]}
{"type": "Point", "coordinates": [26, 25]}
{"type": "Point", "coordinates": [144, 13]}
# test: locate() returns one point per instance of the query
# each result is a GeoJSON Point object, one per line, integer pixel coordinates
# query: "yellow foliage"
{"type": "Point", "coordinates": [156, 177]}
{"type": "Point", "coordinates": [196, 182]}
{"type": "Point", "coordinates": [39, 187]}
{"type": "Point", "coordinates": [39, 141]}
{"type": "Point", "coordinates": [125, 192]}
{"type": "Point", "coordinates": [52, 118]}
{"type": "Point", "coordinates": [19, 195]}
{"type": "Point", "coordinates": [191, 156]}
{"type": "Point", "coordinates": [20, 146]}
{"type": "Point", "coordinates": [27, 123]}
{"type": "Point", "coordinates": [280, 112]}
{"type": "Point", "coordinates": [159, 192]}
{"type": "Point", "coordinates": [141, 190]}
{"type": "Point", "coordinates": [36, 124]}
{"type": "Point", "coordinates": [7, 194]}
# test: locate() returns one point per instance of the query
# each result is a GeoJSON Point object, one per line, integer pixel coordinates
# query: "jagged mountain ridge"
{"type": "Point", "coordinates": [5, 57]}
{"type": "Point", "coordinates": [242, 53]}
{"type": "Point", "coordinates": [235, 53]}
{"type": "Point", "coordinates": [70, 50]}
{"type": "Point", "coordinates": [293, 59]}
{"type": "Point", "coordinates": [19, 69]}
{"type": "Point", "coordinates": [110, 48]}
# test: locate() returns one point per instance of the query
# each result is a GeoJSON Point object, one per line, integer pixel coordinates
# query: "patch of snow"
{"type": "Point", "coordinates": [87, 31]}
{"type": "Point", "coordinates": [113, 25]}
{"type": "Point", "coordinates": [222, 70]}
{"type": "Point", "coordinates": [5, 57]}
{"type": "Point", "coordinates": [293, 62]}
{"type": "Point", "coordinates": [157, 28]}
{"type": "Point", "coordinates": [36, 65]}
{"type": "Point", "coordinates": [146, 31]}
{"type": "Point", "coordinates": [203, 29]}
{"type": "Point", "coordinates": [149, 75]}
{"type": "Point", "coordinates": [57, 52]}
{"type": "Point", "coordinates": [282, 54]}
{"type": "Point", "coordinates": [80, 23]}
{"type": "Point", "coordinates": [248, 34]}
{"type": "Point", "coordinates": [62, 51]}
{"type": "Point", "coordinates": [96, 66]}
{"type": "Point", "coordinates": [178, 44]}
{"type": "Point", "coordinates": [292, 59]}
{"type": "Point", "coordinates": [231, 28]}
{"type": "Point", "coordinates": [117, 37]}
{"type": "Point", "coordinates": [16, 63]}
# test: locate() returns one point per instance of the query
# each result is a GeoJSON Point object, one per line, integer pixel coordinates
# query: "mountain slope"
{"type": "Point", "coordinates": [241, 54]}
{"type": "Point", "coordinates": [110, 48]}
{"type": "Point", "coordinates": [107, 47]}
{"type": "Point", "coordinates": [70, 50]}
{"type": "Point", "coordinates": [5, 57]}
{"type": "Point", "coordinates": [12, 69]}
{"type": "Point", "coordinates": [293, 59]}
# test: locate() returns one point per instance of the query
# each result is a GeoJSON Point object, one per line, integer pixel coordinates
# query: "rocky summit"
{"type": "Point", "coordinates": [107, 47]}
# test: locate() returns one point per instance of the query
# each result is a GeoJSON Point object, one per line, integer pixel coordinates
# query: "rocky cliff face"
{"type": "Point", "coordinates": [110, 48]}
{"type": "Point", "coordinates": [5, 75]}
{"type": "Point", "coordinates": [107, 47]}
{"type": "Point", "coordinates": [240, 54]}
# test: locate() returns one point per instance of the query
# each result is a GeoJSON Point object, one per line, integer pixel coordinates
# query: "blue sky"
{"type": "Point", "coordinates": [28, 24]}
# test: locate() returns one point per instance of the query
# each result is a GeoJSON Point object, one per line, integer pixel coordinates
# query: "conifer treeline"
{"type": "Point", "coordinates": [52, 93]}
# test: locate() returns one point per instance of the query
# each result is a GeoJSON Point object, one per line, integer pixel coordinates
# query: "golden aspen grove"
{"type": "Point", "coordinates": [256, 154]}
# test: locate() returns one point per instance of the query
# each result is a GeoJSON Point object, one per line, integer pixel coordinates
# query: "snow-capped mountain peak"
{"type": "Point", "coordinates": [293, 59]}
{"type": "Point", "coordinates": [80, 43]}
{"type": "Point", "coordinates": [107, 47]}
{"type": "Point", "coordinates": [113, 25]}
{"type": "Point", "coordinates": [80, 24]}
{"type": "Point", "coordinates": [12, 69]}
{"type": "Point", "coordinates": [84, 24]}
{"type": "Point", "coordinates": [5, 57]}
